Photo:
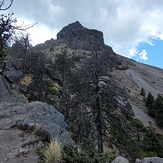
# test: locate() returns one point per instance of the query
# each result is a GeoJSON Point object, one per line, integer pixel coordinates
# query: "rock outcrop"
{"type": "Point", "coordinates": [16, 113]}
{"type": "Point", "coordinates": [79, 37]}
{"type": "Point", "coordinates": [13, 70]}
{"type": "Point", "coordinates": [8, 95]}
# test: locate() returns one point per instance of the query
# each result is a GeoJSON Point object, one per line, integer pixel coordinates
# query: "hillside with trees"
{"type": "Point", "coordinates": [77, 91]}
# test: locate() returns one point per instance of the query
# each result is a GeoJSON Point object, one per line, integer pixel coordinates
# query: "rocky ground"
{"type": "Point", "coordinates": [17, 146]}
{"type": "Point", "coordinates": [23, 126]}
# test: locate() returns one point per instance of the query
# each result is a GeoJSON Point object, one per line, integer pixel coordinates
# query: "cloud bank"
{"type": "Point", "coordinates": [125, 24]}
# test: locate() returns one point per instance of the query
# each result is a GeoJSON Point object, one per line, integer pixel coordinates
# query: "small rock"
{"type": "Point", "coordinates": [120, 159]}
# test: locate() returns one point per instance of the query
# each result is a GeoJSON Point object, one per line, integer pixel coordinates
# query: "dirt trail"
{"type": "Point", "coordinates": [16, 146]}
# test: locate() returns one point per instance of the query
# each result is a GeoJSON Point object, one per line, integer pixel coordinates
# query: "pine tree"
{"type": "Point", "coordinates": [158, 110]}
{"type": "Point", "coordinates": [149, 104]}
{"type": "Point", "coordinates": [142, 92]}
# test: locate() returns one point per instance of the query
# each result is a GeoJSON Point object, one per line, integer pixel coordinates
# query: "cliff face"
{"type": "Point", "coordinates": [79, 37]}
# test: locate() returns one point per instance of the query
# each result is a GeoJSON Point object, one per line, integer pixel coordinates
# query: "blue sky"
{"type": "Point", "coordinates": [154, 51]}
{"type": "Point", "coordinates": [133, 28]}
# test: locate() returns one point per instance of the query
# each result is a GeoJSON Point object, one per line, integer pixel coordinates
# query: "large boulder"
{"type": "Point", "coordinates": [79, 37]}
{"type": "Point", "coordinates": [38, 114]}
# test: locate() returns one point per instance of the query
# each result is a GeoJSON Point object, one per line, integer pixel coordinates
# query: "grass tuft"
{"type": "Point", "coordinates": [53, 153]}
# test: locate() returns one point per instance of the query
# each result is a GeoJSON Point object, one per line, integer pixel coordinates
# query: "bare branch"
{"type": "Point", "coordinates": [8, 29]}
{"type": "Point", "coordinates": [6, 8]}
{"type": "Point", "coordinates": [24, 28]}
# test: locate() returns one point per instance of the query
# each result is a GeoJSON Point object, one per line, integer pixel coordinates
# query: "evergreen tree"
{"type": "Point", "coordinates": [97, 94]}
{"type": "Point", "coordinates": [142, 92]}
{"type": "Point", "coordinates": [149, 104]}
{"type": "Point", "coordinates": [158, 110]}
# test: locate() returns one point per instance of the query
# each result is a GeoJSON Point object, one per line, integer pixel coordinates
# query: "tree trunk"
{"type": "Point", "coordinates": [99, 123]}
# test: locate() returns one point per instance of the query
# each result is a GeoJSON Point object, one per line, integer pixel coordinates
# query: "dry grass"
{"type": "Point", "coordinates": [53, 153]}
{"type": "Point", "coordinates": [26, 80]}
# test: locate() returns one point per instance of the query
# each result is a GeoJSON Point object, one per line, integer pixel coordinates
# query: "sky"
{"type": "Point", "coordinates": [133, 28]}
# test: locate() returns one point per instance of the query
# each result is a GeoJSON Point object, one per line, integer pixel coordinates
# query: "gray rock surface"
{"type": "Point", "coordinates": [13, 69]}
{"type": "Point", "coordinates": [7, 94]}
{"type": "Point", "coordinates": [38, 113]}
{"type": "Point", "coordinates": [15, 112]}
{"type": "Point", "coordinates": [150, 160]}
{"type": "Point", "coordinates": [79, 37]}
{"type": "Point", "coordinates": [120, 159]}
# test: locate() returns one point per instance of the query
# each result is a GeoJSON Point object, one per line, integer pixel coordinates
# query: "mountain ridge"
{"type": "Point", "coordinates": [90, 86]}
{"type": "Point", "coordinates": [71, 37]}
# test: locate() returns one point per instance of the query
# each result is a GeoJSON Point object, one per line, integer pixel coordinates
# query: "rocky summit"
{"type": "Point", "coordinates": [79, 37]}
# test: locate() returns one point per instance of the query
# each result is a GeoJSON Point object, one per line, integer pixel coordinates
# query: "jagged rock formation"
{"type": "Point", "coordinates": [79, 37]}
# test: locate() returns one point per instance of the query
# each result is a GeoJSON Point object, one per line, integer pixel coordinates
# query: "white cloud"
{"type": "Point", "coordinates": [133, 51]}
{"type": "Point", "coordinates": [143, 55]}
{"type": "Point", "coordinates": [125, 24]}
{"type": "Point", "coordinates": [41, 34]}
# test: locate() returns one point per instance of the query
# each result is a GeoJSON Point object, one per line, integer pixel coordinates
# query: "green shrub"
{"type": "Point", "coordinates": [141, 154]}
{"type": "Point", "coordinates": [75, 57]}
{"type": "Point", "coordinates": [3, 53]}
{"type": "Point", "coordinates": [52, 87]}
{"type": "Point", "coordinates": [77, 155]}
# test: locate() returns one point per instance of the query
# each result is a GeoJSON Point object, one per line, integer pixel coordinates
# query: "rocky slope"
{"type": "Point", "coordinates": [24, 126]}
{"type": "Point", "coordinates": [135, 77]}
{"type": "Point", "coordinates": [129, 75]}
{"type": "Point", "coordinates": [45, 72]}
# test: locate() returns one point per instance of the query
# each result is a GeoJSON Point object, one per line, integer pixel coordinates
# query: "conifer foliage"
{"type": "Point", "coordinates": [155, 108]}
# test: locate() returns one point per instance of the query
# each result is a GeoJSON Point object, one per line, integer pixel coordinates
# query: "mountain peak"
{"type": "Point", "coordinates": [79, 37]}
